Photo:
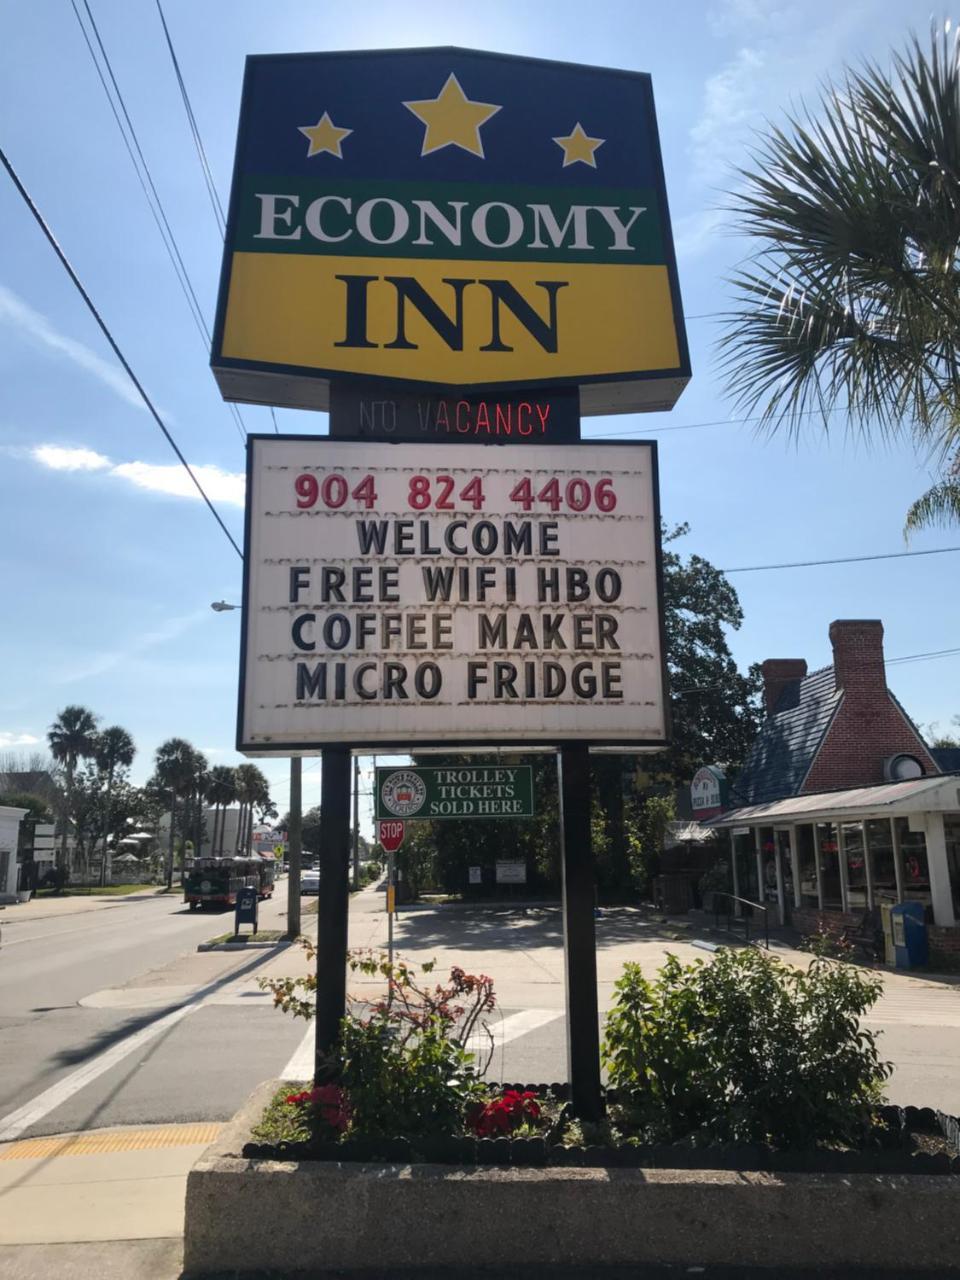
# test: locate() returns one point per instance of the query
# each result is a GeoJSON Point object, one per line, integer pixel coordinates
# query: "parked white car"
{"type": "Point", "coordinates": [309, 882]}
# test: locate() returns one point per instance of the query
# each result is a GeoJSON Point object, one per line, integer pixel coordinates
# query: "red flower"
{"type": "Point", "coordinates": [503, 1115]}
{"type": "Point", "coordinates": [331, 1103]}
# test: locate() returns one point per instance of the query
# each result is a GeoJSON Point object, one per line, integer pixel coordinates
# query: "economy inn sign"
{"type": "Point", "coordinates": [448, 218]}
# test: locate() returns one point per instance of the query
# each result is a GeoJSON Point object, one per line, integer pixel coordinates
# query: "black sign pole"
{"type": "Point", "coordinates": [579, 937]}
{"type": "Point", "coordinates": [333, 901]}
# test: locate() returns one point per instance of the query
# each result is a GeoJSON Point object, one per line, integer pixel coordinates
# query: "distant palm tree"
{"type": "Point", "coordinates": [71, 737]}
{"type": "Point", "coordinates": [253, 790]}
{"type": "Point", "coordinates": [114, 750]}
{"type": "Point", "coordinates": [175, 771]}
{"type": "Point", "coordinates": [850, 301]}
{"type": "Point", "coordinates": [221, 792]}
{"type": "Point", "coordinates": [198, 787]}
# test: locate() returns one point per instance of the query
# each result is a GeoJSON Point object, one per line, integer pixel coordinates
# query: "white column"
{"type": "Point", "coordinates": [795, 865]}
{"type": "Point", "coordinates": [866, 864]}
{"type": "Point", "coordinates": [761, 882]}
{"type": "Point", "coordinates": [842, 860]}
{"type": "Point", "coordinates": [897, 858]}
{"type": "Point", "coordinates": [816, 863]}
{"type": "Point", "coordinates": [735, 873]}
{"type": "Point", "coordinates": [939, 871]}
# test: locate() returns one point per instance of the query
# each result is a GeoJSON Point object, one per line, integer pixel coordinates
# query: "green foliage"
{"type": "Point", "coordinates": [408, 1065]}
{"type": "Point", "coordinates": [849, 301]}
{"type": "Point", "coordinates": [746, 1049]}
{"type": "Point", "coordinates": [646, 825]}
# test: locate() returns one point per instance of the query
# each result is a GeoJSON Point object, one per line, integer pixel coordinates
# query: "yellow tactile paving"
{"type": "Point", "coordinates": [109, 1140]}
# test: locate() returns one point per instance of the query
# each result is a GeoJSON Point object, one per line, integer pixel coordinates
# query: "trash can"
{"type": "Point", "coordinates": [908, 920]}
{"type": "Point", "coordinates": [886, 918]}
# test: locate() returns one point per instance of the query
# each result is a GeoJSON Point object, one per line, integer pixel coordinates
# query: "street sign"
{"type": "Point", "coordinates": [455, 791]}
{"type": "Point", "coordinates": [708, 792]}
{"type": "Point", "coordinates": [390, 833]}
{"type": "Point", "coordinates": [422, 596]}
{"type": "Point", "coordinates": [452, 219]}
{"type": "Point", "coordinates": [511, 872]}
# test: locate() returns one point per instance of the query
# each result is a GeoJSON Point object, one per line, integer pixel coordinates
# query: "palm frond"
{"type": "Point", "coordinates": [939, 506]}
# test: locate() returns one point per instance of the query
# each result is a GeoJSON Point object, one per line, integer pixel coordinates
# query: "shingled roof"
{"type": "Point", "coordinates": [789, 739]}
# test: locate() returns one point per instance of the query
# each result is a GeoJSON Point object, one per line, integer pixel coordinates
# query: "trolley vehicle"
{"type": "Point", "coordinates": [216, 881]}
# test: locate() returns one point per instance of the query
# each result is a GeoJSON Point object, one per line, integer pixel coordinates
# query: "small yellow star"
{"type": "Point", "coordinates": [578, 147]}
{"type": "Point", "coordinates": [324, 136]}
{"type": "Point", "coordinates": [452, 120]}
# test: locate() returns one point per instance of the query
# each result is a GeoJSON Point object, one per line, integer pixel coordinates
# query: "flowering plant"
{"type": "Point", "coordinates": [330, 1104]}
{"type": "Point", "coordinates": [504, 1115]}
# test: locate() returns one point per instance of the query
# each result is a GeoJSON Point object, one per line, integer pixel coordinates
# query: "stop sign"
{"type": "Point", "coordinates": [390, 834]}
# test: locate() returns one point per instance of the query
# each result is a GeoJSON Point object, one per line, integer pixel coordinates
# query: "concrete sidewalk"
{"type": "Point", "coordinates": [105, 1203]}
{"type": "Point", "coordinates": [78, 904]}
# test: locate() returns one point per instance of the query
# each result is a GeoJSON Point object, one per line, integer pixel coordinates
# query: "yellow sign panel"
{"type": "Point", "coordinates": [289, 310]}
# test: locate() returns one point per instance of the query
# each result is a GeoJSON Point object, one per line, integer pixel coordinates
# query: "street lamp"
{"type": "Point", "coordinates": [294, 838]}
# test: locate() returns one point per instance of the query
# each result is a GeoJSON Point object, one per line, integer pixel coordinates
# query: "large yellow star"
{"type": "Point", "coordinates": [578, 147]}
{"type": "Point", "coordinates": [324, 136]}
{"type": "Point", "coordinates": [452, 120]}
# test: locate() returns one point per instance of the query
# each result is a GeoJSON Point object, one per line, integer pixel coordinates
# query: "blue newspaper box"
{"type": "Point", "coordinates": [910, 947]}
{"type": "Point", "coordinates": [245, 912]}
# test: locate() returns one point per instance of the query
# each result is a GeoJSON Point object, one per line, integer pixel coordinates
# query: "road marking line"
{"type": "Point", "coordinates": [519, 1024]}
{"type": "Point", "coordinates": [12, 1125]}
{"type": "Point", "coordinates": [110, 1140]}
{"type": "Point", "coordinates": [300, 1066]}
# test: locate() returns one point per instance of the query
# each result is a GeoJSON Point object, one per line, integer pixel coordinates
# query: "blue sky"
{"type": "Point", "coordinates": [108, 563]}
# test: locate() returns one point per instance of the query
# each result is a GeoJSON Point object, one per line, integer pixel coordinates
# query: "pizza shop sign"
{"type": "Point", "coordinates": [488, 595]}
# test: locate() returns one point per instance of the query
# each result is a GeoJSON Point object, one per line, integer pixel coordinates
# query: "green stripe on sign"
{"type": "Point", "coordinates": [455, 791]}
{"type": "Point", "coordinates": [448, 220]}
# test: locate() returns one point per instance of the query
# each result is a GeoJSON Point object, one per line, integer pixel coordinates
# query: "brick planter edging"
{"type": "Point", "coordinates": [248, 1215]}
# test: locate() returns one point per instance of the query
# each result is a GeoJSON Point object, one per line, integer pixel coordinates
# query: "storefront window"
{"type": "Point", "coordinates": [856, 866]}
{"type": "Point", "coordinates": [745, 853]}
{"type": "Point", "coordinates": [882, 868]}
{"type": "Point", "coordinates": [768, 850]}
{"type": "Point", "coordinates": [829, 865]}
{"type": "Point", "coordinates": [807, 858]}
{"type": "Point", "coordinates": [951, 830]}
{"type": "Point", "coordinates": [913, 859]}
{"type": "Point", "coordinates": [786, 864]}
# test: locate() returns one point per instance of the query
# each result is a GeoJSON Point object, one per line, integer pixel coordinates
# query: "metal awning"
{"type": "Point", "coordinates": [918, 795]}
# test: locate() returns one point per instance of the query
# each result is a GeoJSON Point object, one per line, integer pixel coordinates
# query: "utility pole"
{"type": "Point", "coordinates": [356, 823]}
{"type": "Point", "coordinates": [294, 848]}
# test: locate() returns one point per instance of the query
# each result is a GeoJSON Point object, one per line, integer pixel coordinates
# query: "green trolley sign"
{"type": "Point", "coordinates": [455, 791]}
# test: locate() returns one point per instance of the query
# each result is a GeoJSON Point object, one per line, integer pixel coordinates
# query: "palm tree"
{"type": "Point", "coordinates": [114, 750]}
{"type": "Point", "coordinates": [850, 300]}
{"type": "Point", "coordinates": [175, 761]}
{"type": "Point", "coordinates": [221, 792]}
{"type": "Point", "coordinates": [197, 790]}
{"type": "Point", "coordinates": [252, 789]}
{"type": "Point", "coordinates": [72, 736]}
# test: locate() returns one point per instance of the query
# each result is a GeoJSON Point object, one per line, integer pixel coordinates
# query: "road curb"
{"type": "Point", "coordinates": [245, 946]}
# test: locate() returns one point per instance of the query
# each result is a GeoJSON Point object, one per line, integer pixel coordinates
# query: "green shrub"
{"type": "Point", "coordinates": [746, 1049]}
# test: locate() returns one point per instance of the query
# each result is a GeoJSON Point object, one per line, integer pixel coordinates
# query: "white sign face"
{"type": "Point", "coordinates": [476, 875]}
{"type": "Point", "coordinates": [511, 873]}
{"type": "Point", "coordinates": [705, 791]}
{"type": "Point", "coordinates": [407, 594]}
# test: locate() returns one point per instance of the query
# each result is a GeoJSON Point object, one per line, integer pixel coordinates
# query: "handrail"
{"type": "Point", "coordinates": [731, 915]}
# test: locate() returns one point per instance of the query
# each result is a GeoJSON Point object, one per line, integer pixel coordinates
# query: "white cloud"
{"type": "Point", "coordinates": [60, 459]}
{"type": "Point", "coordinates": [10, 739]}
{"type": "Point", "coordinates": [18, 315]}
{"type": "Point", "coordinates": [729, 102]}
{"type": "Point", "coordinates": [219, 485]}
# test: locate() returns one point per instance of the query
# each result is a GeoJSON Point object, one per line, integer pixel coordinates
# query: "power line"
{"type": "Point", "coordinates": [54, 244]}
{"type": "Point", "coordinates": [694, 426]}
{"type": "Point", "coordinates": [808, 564]}
{"type": "Point", "coordinates": [145, 177]}
{"type": "Point", "coordinates": [887, 662]}
{"type": "Point", "coordinates": [195, 130]}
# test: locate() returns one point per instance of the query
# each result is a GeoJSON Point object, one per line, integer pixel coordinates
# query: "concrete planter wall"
{"type": "Point", "coordinates": [247, 1215]}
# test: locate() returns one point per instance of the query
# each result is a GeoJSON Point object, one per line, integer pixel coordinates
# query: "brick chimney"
{"type": "Point", "coordinates": [777, 674]}
{"type": "Point", "coordinates": [858, 655]}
